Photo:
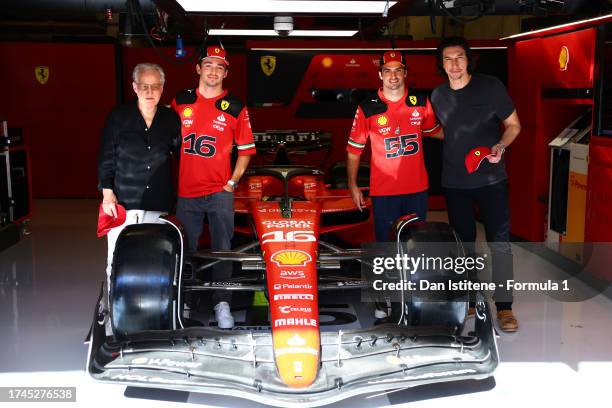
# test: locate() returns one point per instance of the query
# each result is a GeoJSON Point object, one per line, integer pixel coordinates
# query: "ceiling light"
{"type": "Point", "coordinates": [544, 30]}
{"type": "Point", "coordinates": [316, 48]}
{"type": "Point", "coordinates": [294, 33]}
{"type": "Point", "coordinates": [286, 6]}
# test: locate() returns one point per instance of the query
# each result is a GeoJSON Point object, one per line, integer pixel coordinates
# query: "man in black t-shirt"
{"type": "Point", "coordinates": [471, 108]}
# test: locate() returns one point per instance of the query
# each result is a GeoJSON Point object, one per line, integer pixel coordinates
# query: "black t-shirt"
{"type": "Point", "coordinates": [471, 118]}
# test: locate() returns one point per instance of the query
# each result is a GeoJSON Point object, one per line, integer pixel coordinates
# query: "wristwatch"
{"type": "Point", "coordinates": [231, 183]}
{"type": "Point", "coordinates": [503, 147]}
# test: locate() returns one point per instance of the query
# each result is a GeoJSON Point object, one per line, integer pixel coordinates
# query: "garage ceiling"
{"type": "Point", "coordinates": [49, 19]}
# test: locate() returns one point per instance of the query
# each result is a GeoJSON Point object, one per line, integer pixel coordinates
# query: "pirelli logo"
{"type": "Point", "coordinates": [294, 296]}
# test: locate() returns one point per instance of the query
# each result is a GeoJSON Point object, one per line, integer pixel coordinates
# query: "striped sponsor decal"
{"type": "Point", "coordinates": [355, 144]}
{"type": "Point", "coordinates": [432, 129]}
{"type": "Point", "coordinates": [246, 146]}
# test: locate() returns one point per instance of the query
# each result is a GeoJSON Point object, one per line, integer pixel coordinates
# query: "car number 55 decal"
{"type": "Point", "coordinates": [398, 146]}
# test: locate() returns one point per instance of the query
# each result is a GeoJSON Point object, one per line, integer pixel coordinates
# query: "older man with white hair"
{"type": "Point", "coordinates": [134, 162]}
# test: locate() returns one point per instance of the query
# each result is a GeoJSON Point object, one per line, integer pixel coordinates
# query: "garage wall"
{"type": "Point", "coordinates": [537, 84]}
{"type": "Point", "coordinates": [61, 120]}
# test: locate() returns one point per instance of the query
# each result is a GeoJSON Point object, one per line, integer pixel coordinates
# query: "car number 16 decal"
{"type": "Point", "coordinates": [288, 236]}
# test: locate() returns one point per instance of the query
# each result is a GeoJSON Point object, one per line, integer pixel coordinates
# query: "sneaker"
{"type": "Point", "coordinates": [223, 315]}
{"type": "Point", "coordinates": [383, 309]}
{"type": "Point", "coordinates": [507, 321]}
{"type": "Point", "coordinates": [380, 314]}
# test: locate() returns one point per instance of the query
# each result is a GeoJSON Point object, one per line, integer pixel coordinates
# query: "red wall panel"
{"type": "Point", "coordinates": [61, 119]}
{"type": "Point", "coordinates": [599, 196]}
{"type": "Point", "coordinates": [534, 66]}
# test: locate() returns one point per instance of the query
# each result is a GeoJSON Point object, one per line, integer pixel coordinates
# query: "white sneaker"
{"type": "Point", "coordinates": [383, 309]}
{"type": "Point", "coordinates": [223, 315]}
{"type": "Point", "coordinates": [380, 314]}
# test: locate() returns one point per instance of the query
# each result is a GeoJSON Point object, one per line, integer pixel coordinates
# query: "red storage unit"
{"type": "Point", "coordinates": [551, 82]}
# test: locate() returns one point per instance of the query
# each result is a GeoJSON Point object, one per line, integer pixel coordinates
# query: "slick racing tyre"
{"type": "Point", "coordinates": [433, 240]}
{"type": "Point", "coordinates": [142, 294]}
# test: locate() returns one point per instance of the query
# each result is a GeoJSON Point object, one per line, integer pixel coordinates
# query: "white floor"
{"type": "Point", "coordinates": [561, 357]}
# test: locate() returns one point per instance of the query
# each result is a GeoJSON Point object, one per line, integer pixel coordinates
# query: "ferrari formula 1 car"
{"type": "Point", "coordinates": [296, 224]}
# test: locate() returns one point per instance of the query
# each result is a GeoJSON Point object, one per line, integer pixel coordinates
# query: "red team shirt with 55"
{"type": "Point", "coordinates": [209, 129]}
{"type": "Point", "coordinates": [397, 165]}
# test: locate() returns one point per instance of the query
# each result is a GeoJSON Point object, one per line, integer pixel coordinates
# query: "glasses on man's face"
{"type": "Point", "coordinates": [152, 87]}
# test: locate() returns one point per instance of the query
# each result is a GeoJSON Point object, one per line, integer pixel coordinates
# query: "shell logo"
{"type": "Point", "coordinates": [296, 341]}
{"type": "Point", "coordinates": [382, 120]}
{"type": "Point", "coordinates": [291, 258]}
{"type": "Point", "coordinates": [327, 62]}
{"type": "Point", "coordinates": [564, 58]}
{"type": "Point", "coordinates": [187, 112]}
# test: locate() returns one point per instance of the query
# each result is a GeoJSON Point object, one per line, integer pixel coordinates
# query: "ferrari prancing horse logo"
{"type": "Point", "coordinates": [42, 74]}
{"type": "Point", "coordinates": [413, 99]}
{"type": "Point", "coordinates": [224, 105]}
{"type": "Point", "coordinates": [268, 64]}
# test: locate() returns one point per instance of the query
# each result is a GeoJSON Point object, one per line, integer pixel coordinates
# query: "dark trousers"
{"type": "Point", "coordinates": [219, 208]}
{"type": "Point", "coordinates": [387, 209]}
{"type": "Point", "coordinates": [492, 201]}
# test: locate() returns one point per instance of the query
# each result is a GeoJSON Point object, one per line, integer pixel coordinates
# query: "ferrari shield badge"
{"type": "Point", "coordinates": [42, 74]}
{"type": "Point", "coordinates": [413, 99]}
{"type": "Point", "coordinates": [268, 64]}
{"type": "Point", "coordinates": [224, 105]}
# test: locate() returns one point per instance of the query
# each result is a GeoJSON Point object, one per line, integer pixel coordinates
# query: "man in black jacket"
{"type": "Point", "coordinates": [134, 162]}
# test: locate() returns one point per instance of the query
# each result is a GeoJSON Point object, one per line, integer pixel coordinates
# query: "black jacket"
{"type": "Point", "coordinates": [135, 162]}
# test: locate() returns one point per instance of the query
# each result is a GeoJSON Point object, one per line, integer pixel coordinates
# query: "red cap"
{"type": "Point", "coordinates": [107, 222]}
{"type": "Point", "coordinates": [475, 157]}
{"type": "Point", "coordinates": [216, 51]}
{"type": "Point", "coordinates": [392, 56]}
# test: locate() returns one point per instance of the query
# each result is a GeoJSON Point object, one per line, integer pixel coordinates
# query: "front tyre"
{"type": "Point", "coordinates": [145, 270]}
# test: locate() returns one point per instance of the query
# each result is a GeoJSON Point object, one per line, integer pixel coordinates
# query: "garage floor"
{"type": "Point", "coordinates": [562, 355]}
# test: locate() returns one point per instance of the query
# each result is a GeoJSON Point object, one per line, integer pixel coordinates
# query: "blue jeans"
{"type": "Point", "coordinates": [387, 209]}
{"type": "Point", "coordinates": [219, 208]}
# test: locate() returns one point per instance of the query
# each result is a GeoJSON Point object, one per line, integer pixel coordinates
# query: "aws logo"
{"type": "Point", "coordinates": [292, 274]}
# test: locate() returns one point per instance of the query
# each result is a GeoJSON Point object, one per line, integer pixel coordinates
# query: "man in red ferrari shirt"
{"type": "Point", "coordinates": [394, 120]}
{"type": "Point", "coordinates": [213, 120]}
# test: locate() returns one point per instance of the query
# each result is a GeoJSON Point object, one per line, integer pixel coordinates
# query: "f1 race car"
{"type": "Point", "coordinates": [298, 360]}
